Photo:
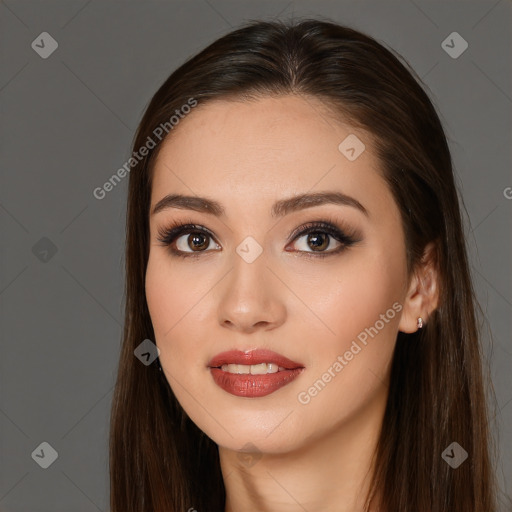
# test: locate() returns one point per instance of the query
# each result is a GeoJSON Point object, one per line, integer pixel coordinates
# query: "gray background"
{"type": "Point", "coordinates": [66, 126]}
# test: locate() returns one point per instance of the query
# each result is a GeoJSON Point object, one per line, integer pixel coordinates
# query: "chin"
{"type": "Point", "coordinates": [274, 430]}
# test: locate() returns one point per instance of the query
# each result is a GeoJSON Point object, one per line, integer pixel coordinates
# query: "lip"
{"type": "Point", "coordinates": [253, 386]}
{"type": "Point", "coordinates": [257, 356]}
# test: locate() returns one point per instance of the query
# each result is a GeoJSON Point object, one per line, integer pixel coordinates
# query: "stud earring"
{"type": "Point", "coordinates": [420, 322]}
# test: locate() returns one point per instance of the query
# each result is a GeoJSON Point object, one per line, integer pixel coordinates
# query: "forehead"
{"type": "Point", "coordinates": [264, 148]}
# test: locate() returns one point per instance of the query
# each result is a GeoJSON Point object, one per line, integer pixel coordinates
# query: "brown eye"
{"type": "Point", "coordinates": [318, 241]}
{"type": "Point", "coordinates": [197, 241]}
{"type": "Point", "coordinates": [186, 239]}
{"type": "Point", "coordinates": [322, 239]}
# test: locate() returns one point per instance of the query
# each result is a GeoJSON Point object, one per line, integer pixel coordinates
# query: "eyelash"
{"type": "Point", "coordinates": [347, 236]}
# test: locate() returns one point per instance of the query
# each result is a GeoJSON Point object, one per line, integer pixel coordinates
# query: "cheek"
{"type": "Point", "coordinates": [161, 297]}
{"type": "Point", "coordinates": [349, 368]}
{"type": "Point", "coordinates": [169, 293]}
{"type": "Point", "coordinates": [174, 298]}
{"type": "Point", "coordinates": [358, 296]}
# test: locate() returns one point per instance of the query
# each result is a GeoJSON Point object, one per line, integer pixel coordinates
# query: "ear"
{"type": "Point", "coordinates": [423, 294]}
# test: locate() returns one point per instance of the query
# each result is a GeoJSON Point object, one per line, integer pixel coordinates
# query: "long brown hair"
{"type": "Point", "coordinates": [159, 460]}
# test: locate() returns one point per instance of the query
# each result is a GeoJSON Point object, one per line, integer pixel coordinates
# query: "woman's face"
{"type": "Point", "coordinates": [328, 299]}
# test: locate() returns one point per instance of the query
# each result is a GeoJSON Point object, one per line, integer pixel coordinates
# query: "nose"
{"type": "Point", "coordinates": [251, 298]}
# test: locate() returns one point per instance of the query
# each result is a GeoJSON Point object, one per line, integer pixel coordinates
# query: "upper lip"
{"type": "Point", "coordinates": [251, 357]}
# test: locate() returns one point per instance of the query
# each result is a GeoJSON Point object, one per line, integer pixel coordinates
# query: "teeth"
{"type": "Point", "coordinates": [253, 369]}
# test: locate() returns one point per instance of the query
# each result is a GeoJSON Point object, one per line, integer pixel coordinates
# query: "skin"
{"type": "Point", "coordinates": [246, 156]}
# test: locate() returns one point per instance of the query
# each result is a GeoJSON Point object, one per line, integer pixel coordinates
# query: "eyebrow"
{"type": "Point", "coordinates": [279, 209]}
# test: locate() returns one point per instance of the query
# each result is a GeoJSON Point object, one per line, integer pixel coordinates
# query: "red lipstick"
{"type": "Point", "coordinates": [252, 385]}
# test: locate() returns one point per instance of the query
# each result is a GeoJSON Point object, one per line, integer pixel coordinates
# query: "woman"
{"type": "Point", "coordinates": [295, 251]}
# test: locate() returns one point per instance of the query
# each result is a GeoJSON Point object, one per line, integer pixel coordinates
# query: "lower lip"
{"type": "Point", "coordinates": [253, 386]}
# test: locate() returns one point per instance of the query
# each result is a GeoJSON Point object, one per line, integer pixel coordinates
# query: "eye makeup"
{"type": "Point", "coordinates": [326, 227]}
